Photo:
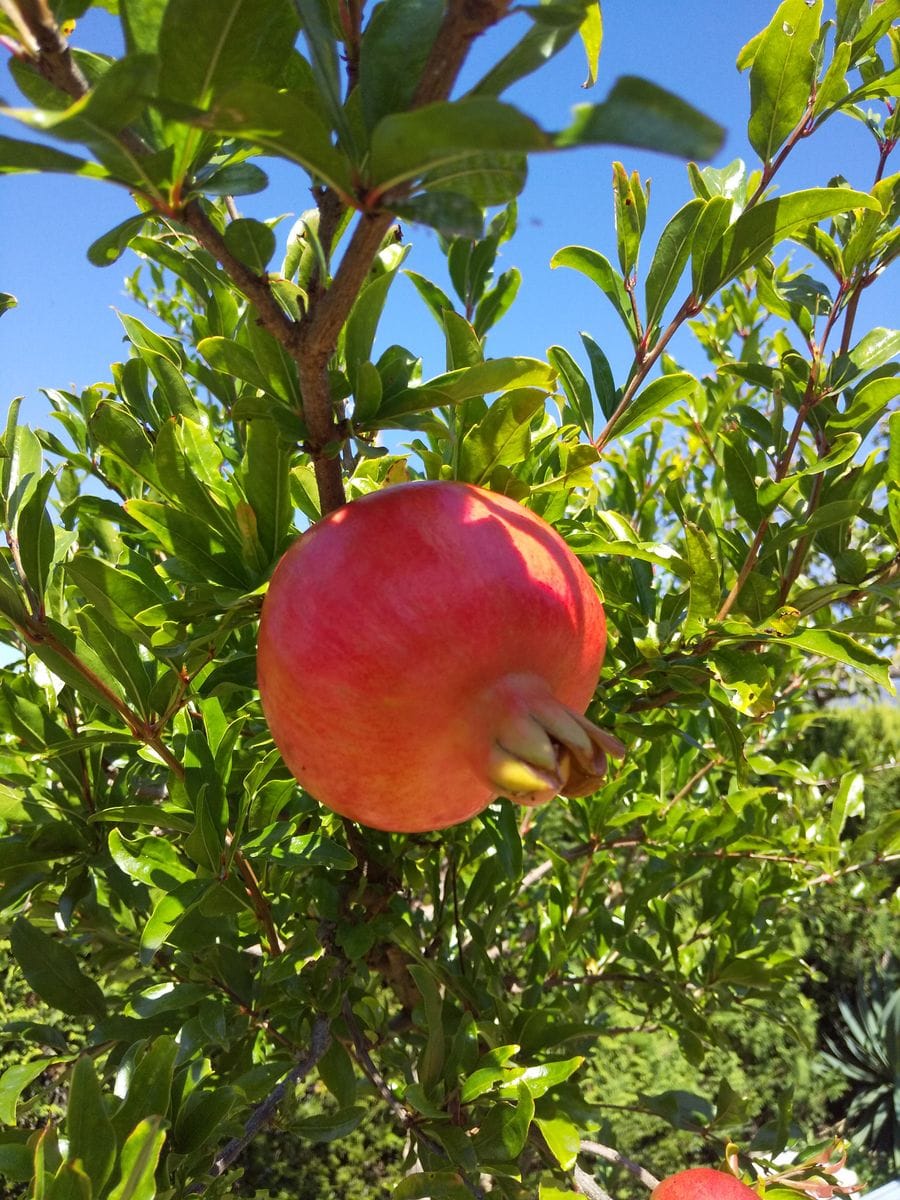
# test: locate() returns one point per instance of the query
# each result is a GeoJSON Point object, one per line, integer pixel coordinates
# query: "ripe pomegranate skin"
{"type": "Point", "coordinates": [427, 648]}
{"type": "Point", "coordinates": [703, 1183]}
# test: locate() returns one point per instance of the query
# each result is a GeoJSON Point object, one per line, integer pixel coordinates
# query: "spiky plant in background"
{"type": "Point", "coordinates": [866, 1051]}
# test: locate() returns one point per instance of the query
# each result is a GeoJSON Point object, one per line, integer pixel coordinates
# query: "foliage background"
{"type": "Point", "coordinates": [206, 926]}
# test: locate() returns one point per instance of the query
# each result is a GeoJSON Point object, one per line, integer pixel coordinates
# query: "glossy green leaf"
{"type": "Point", "coordinates": [112, 245]}
{"type": "Point", "coordinates": [705, 587]}
{"type": "Point", "coordinates": [406, 146]}
{"type": "Point", "coordinates": [756, 231]}
{"type": "Point", "coordinates": [207, 46]}
{"type": "Point", "coordinates": [37, 541]}
{"type": "Point", "coordinates": [638, 113]}
{"type": "Point", "coordinates": [575, 386]}
{"type": "Point", "coordinates": [452, 214]}
{"type": "Point", "coordinates": [280, 123]}
{"type": "Point", "coordinates": [92, 1141]}
{"type": "Point", "coordinates": [840, 647]}
{"type": "Point", "coordinates": [432, 1185]}
{"type": "Point", "coordinates": [669, 260]}
{"type": "Point", "coordinates": [398, 31]}
{"type": "Point", "coordinates": [267, 483]}
{"type": "Point", "coordinates": [14, 1081]}
{"type": "Point", "coordinates": [599, 270]}
{"type": "Point", "coordinates": [782, 75]}
{"type": "Point", "coordinates": [20, 157]}
{"type": "Point", "coordinates": [501, 437]}
{"type": "Point", "coordinates": [591, 33]}
{"type": "Point", "coordinates": [149, 1086]}
{"type": "Point", "coordinates": [630, 210]}
{"type": "Point", "coordinates": [202, 553]}
{"type": "Point", "coordinates": [653, 400]}
{"type": "Point", "coordinates": [252, 242]}
{"type": "Point", "coordinates": [562, 1137]}
{"type": "Point", "coordinates": [495, 375]}
{"type": "Point", "coordinates": [117, 593]}
{"type": "Point", "coordinates": [53, 970]}
{"type": "Point", "coordinates": [496, 302]}
{"type": "Point", "coordinates": [601, 375]}
{"type": "Point", "coordinates": [537, 46]}
{"type": "Point", "coordinates": [138, 1162]}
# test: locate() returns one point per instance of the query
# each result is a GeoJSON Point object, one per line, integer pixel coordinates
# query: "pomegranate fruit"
{"type": "Point", "coordinates": [427, 648]}
{"type": "Point", "coordinates": [703, 1183]}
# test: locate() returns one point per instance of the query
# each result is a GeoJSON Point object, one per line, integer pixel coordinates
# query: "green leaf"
{"type": "Point", "coordinates": [399, 31]}
{"type": "Point", "coordinates": [14, 1081]}
{"type": "Point", "coordinates": [840, 647]}
{"type": "Point", "coordinates": [758, 230]}
{"type": "Point", "coordinates": [575, 386]}
{"type": "Point", "coordinates": [116, 430]}
{"type": "Point", "coordinates": [452, 214]}
{"type": "Point", "coordinates": [653, 400]}
{"type": "Point", "coordinates": [139, 1159]}
{"type": "Point", "coordinates": [494, 375]}
{"type": "Point", "coordinates": [206, 46]}
{"type": "Point", "coordinates": [407, 145]}
{"type": "Point", "coordinates": [562, 1137]}
{"type": "Point", "coordinates": [282, 124]}
{"type": "Point", "coordinates": [37, 541]}
{"type": "Point", "coordinates": [168, 914]}
{"type": "Point", "coordinates": [92, 1141]}
{"type": "Point", "coordinates": [112, 245]}
{"type": "Point", "coordinates": [431, 1061]}
{"type": "Point", "coordinates": [7, 301]}
{"type": "Point", "coordinates": [503, 1132]}
{"type": "Point", "coordinates": [54, 972]}
{"type": "Point", "coordinates": [149, 1094]}
{"type": "Point", "coordinates": [252, 242]}
{"type": "Point", "coordinates": [638, 113]}
{"type": "Point", "coordinates": [437, 300]}
{"type": "Point", "coordinates": [782, 75]}
{"type": "Point", "coordinates": [266, 475]}
{"type": "Point", "coordinates": [601, 375]}
{"type": "Point", "coordinates": [669, 260]}
{"type": "Point", "coordinates": [330, 1126]}
{"type": "Point", "coordinates": [494, 303]}
{"type": "Point", "coordinates": [117, 99]}
{"type": "Point", "coordinates": [151, 860]}
{"type": "Point", "coordinates": [540, 43]}
{"type": "Point", "coordinates": [739, 476]}
{"type": "Point", "coordinates": [141, 21]}
{"type": "Point", "coordinates": [18, 157]}
{"type": "Point", "coordinates": [231, 358]}
{"type": "Point", "coordinates": [705, 587]}
{"type": "Point", "coordinates": [117, 593]}
{"type": "Point", "coordinates": [591, 33]}
{"type": "Point", "coordinates": [432, 1185]}
{"type": "Point", "coordinates": [599, 270]}
{"type": "Point", "coordinates": [630, 209]}
{"type": "Point", "coordinates": [202, 553]}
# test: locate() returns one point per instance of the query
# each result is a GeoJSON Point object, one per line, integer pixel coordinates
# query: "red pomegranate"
{"type": "Point", "coordinates": [427, 648]}
{"type": "Point", "coordinates": [703, 1183]}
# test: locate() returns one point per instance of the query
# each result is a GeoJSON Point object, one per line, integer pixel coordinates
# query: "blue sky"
{"type": "Point", "coordinates": [65, 332]}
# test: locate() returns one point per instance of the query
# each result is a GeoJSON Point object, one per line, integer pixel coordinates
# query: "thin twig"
{"type": "Point", "coordinates": [263, 1114]}
{"type": "Point", "coordinates": [613, 1156]}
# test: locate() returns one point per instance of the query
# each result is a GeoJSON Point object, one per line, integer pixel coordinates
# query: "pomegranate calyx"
{"type": "Point", "coordinates": [543, 748]}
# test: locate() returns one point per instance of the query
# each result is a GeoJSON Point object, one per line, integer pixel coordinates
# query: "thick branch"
{"type": "Point", "coordinates": [47, 48]}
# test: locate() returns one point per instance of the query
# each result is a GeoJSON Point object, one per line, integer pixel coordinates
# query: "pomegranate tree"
{"type": "Point", "coordinates": [428, 648]}
{"type": "Point", "coordinates": [703, 1183]}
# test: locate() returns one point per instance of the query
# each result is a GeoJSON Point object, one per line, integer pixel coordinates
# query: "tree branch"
{"type": "Point", "coordinates": [263, 1114]}
{"type": "Point", "coordinates": [613, 1156]}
